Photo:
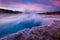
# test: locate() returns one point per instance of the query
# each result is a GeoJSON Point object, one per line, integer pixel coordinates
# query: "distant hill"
{"type": "Point", "coordinates": [8, 11]}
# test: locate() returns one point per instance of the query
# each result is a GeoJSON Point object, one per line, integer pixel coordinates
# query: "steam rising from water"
{"type": "Point", "coordinates": [14, 23]}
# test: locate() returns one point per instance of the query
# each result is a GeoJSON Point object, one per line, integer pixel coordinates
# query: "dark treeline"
{"type": "Point", "coordinates": [15, 12]}
{"type": "Point", "coordinates": [50, 13]}
{"type": "Point", "coordinates": [9, 11]}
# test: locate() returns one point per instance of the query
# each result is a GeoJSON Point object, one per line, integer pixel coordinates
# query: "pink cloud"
{"type": "Point", "coordinates": [42, 6]}
{"type": "Point", "coordinates": [31, 7]}
{"type": "Point", "coordinates": [55, 2]}
{"type": "Point", "coordinates": [2, 5]}
{"type": "Point", "coordinates": [34, 6]}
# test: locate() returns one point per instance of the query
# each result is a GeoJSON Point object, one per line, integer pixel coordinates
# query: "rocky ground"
{"type": "Point", "coordinates": [49, 32]}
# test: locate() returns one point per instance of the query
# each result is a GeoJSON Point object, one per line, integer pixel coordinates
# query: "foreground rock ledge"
{"type": "Point", "coordinates": [49, 32]}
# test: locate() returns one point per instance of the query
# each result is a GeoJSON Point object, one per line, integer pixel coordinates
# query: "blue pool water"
{"type": "Point", "coordinates": [15, 26]}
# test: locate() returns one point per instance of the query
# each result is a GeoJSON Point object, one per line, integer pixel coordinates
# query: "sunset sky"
{"type": "Point", "coordinates": [39, 5]}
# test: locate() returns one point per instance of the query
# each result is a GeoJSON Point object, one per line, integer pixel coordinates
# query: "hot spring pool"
{"type": "Point", "coordinates": [21, 22]}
